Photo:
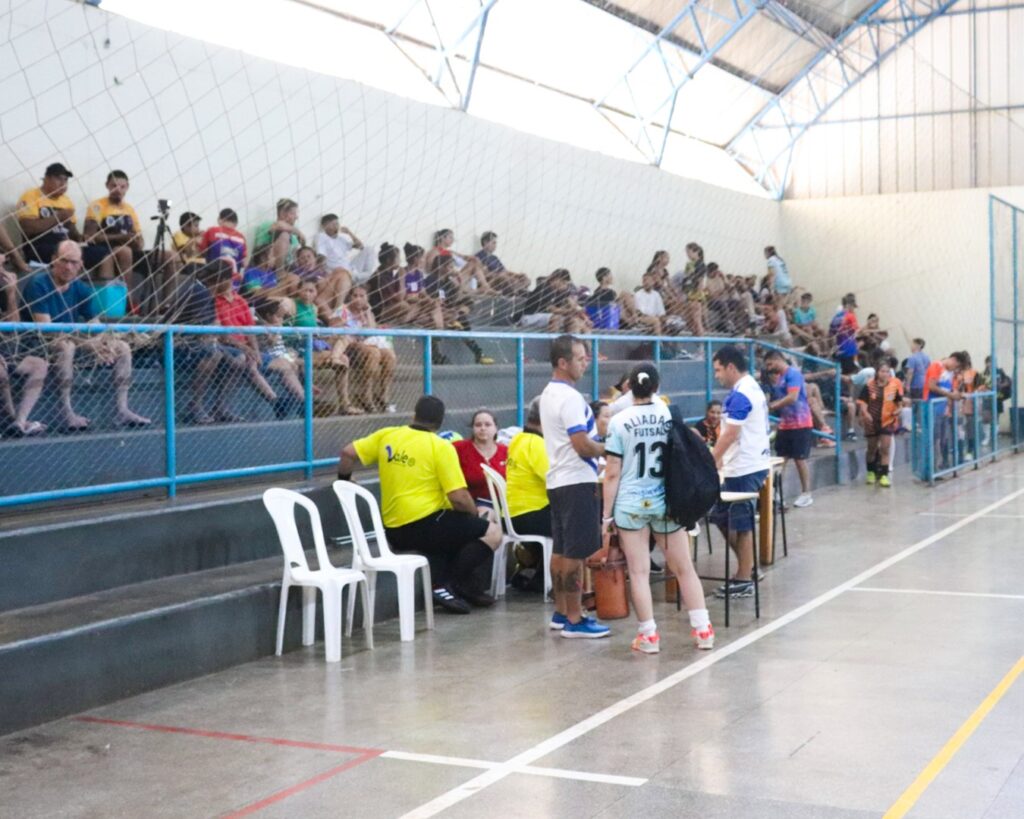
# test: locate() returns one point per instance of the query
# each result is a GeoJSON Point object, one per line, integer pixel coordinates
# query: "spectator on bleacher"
{"type": "Point", "coordinates": [386, 288]}
{"type": "Point", "coordinates": [479, 449]}
{"type": "Point", "coordinates": [426, 506]}
{"type": "Point", "coordinates": [568, 425]}
{"type": "Point", "coordinates": [687, 286]}
{"type": "Point", "coordinates": [650, 306]}
{"type": "Point", "coordinates": [776, 324]}
{"type": "Point", "coordinates": [424, 306]}
{"type": "Point", "coordinates": [471, 271]}
{"type": "Point", "coordinates": [630, 318]}
{"type": "Point", "coordinates": [203, 357]}
{"type": "Point", "coordinates": [805, 328]}
{"type": "Point", "coordinates": [917, 365]}
{"type": "Point", "coordinates": [58, 295]}
{"type": "Point", "coordinates": [552, 306]}
{"type": "Point", "coordinates": [233, 311]}
{"type": "Point", "coordinates": [225, 241]}
{"type": "Point", "coordinates": [456, 306]}
{"type": "Point", "coordinates": [710, 425]}
{"type": "Point", "coordinates": [635, 507]}
{"type": "Point", "coordinates": [781, 283]}
{"type": "Point", "coordinates": [336, 243]}
{"type": "Point", "coordinates": [331, 285]}
{"type": "Point", "coordinates": [501, 278]}
{"type": "Point", "coordinates": [372, 357]}
{"type": "Point", "coordinates": [879, 404]}
{"type": "Point", "coordinates": [185, 242]}
{"type": "Point", "coordinates": [11, 252]}
{"type": "Point", "coordinates": [113, 232]}
{"type": "Point", "coordinates": [720, 304]}
{"type": "Point", "coordinates": [788, 394]}
{"type": "Point", "coordinates": [842, 332]}
{"type": "Point", "coordinates": [742, 455]}
{"type": "Point", "coordinates": [46, 214]}
{"type": "Point", "coordinates": [873, 335]}
{"type": "Point", "coordinates": [19, 361]}
{"type": "Point", "coordinates": [939, 382]}
{"type": "Point", "coordinates": [276, 356]}
{"type": "Point", "coordinates": [602, 417]}
{"type": "Point", "coordinates": [261, 281]}
{"type": "Point", "coordinates": [282, 235]}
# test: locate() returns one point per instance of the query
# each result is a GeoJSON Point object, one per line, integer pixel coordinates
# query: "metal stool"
{"type": "Point", "coordinates": [731, 498]}
{"type": "Point", "coordinates": [780, 499]}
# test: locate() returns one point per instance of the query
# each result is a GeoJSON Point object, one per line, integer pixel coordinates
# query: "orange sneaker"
{"type": "Point", "coordinates": [705, 638]}
{"type": "Point", "coordinates": [647, 643]}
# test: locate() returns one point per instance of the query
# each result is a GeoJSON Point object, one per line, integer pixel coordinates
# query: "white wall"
{"type": "Point", "coordinates": [209, 127]}
{"type": "Point", "coordinates": [919, 260]}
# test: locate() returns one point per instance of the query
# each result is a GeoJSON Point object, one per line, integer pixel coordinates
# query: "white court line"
{"type": "Point", "coordinates": [938, 592]}
{"type": "Point", "coordinates": [961, 514]}
{"type": "Point", "coordinates": [574, 732]}
{"type": "Point", "coordinates": [556, 773]}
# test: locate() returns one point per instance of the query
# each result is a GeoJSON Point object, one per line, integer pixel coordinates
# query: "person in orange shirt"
{"type": "Point", "coordinates": [938, 382]}
{"type": "Point", "coordinates": [966, 382]}
{"type": "Point", "coordinates": [879, 405]}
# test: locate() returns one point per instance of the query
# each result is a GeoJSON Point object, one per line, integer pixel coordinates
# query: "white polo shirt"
{"type": "Point", "coordinates": [649, 303]}
{"type": "Point", "coordinates": [747, 408]}
{"type": "Point", "coordinates": [564, 412]}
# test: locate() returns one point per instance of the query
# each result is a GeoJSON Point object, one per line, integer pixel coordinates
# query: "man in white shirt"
{"type": "Point", "coordinates": [743, 455]}
{"type": "Point", "coordinates": [569, 430]}
{"type": "Point", "coordinates": [336, 244]}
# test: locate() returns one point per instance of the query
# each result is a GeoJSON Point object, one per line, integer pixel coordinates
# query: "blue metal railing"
{"type": "Point", "coordinates": [175, 473]}
{"type": "Point", "coordinates": [950, 436]}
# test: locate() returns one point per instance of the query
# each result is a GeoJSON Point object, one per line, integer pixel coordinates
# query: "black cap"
{"type": "Point", "coordinates": [57, 169]}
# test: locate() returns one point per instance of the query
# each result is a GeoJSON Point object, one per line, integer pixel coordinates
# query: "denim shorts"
{"type": "Point", "coordinates": [659, 523]}
{"type": "Point", "coordinates": [738, 517]}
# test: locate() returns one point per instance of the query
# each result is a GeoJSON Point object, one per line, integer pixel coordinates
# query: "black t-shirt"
{"type": "Point", "coordinates": [601, 297]}
{"type": "Point", "coordinates": [544, 298]}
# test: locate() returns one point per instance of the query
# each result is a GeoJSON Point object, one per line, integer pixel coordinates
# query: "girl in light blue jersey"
{"type": "Point", "coordinates": [634, 502]}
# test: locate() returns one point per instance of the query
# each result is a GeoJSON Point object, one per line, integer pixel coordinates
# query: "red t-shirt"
{"type": "Point", "coordinates": [471, 462]}
{"type": "Point", "coordinates": [234, 313]}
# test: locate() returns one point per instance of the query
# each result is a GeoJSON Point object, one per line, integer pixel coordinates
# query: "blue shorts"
{"type": "Point", "coordinates": [738, 517]}
{"type": "Point", "coordinates": [658, 523]}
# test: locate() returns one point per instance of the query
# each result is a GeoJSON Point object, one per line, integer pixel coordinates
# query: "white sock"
{"type": "Point", "coordinates": [699, 619]}
{"type": "Point", "coordinates": [646, 627]}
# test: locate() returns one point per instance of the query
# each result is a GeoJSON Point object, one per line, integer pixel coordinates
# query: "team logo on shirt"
{"type": "Point", "coordinates": [401, 458]}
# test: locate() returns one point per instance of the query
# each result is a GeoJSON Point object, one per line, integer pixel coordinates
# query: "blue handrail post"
{"type": "Point", "coordinates": [170, 432]}
{"type": "Point", "coordinates": [520, 382]}
{"type": "Point", "coordinates": [595, 384]}
{"type": "Point", "coordinates": [838, 429]}
{"type": "Point", "coordinates": [709, 372]}
{"type": "Point", "coordinates": [657, 353]}
{"type": "Point", "coordinates": [307, 377]}
{"type": "Point", "coordinates": [428, 365]}
{"type": "Point", "coordinates": [976, 431]}
{"type": "Point", "coordinates": [956, 436]}
{"type": "Point", "coordinates": [929, 428]}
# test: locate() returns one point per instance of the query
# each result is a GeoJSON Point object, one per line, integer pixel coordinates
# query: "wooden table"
{"type": "Point", "coordinates": [766, 507]}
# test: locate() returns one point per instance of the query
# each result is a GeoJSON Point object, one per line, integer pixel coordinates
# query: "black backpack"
{"type": "Point", "coordinates": [691, 477]}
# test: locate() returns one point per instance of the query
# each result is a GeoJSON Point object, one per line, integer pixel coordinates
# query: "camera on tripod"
{"type": "Point", "coordinates": [163, 207]}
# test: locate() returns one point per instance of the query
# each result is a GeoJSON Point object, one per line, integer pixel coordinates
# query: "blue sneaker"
{"type": "Point", "coordinates": [585, 629]}
{"type": "Point", "coordinates": [558, 621]}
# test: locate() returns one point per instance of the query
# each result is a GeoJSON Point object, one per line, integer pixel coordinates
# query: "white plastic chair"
{"type": "Point", "coordinates": [499, 499]}
{"type": "Point", "coordinates": [402, 566]}
{"type": "Point", "coordinates": [331, 581]}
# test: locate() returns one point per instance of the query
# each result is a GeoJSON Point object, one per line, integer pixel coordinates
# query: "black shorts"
{"type": "Point", "coordinates": [794, 443]}
{"type": "Point", "coordinates": [537, 522]}
{"type": "Point", "coordinates": [439, 532]}
{"type": "Point", "coordinates": [575, 520]}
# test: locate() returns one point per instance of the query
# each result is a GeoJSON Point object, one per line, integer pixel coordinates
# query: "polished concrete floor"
{"type": "Point", "coordinates": [895, 616]}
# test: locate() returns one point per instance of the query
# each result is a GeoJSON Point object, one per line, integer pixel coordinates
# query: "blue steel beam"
{"type": "Point", "coordinates": [821, 84]}
{"type": "Point", "coordinates": [735, 15]}
{"type": "Point", "coordinates": [446, 51]}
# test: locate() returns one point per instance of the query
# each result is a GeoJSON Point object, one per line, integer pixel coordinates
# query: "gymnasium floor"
{"type": "Point", "coordinates": [897, 614]}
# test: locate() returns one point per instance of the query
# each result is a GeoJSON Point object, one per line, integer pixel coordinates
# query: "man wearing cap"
{"type": "Point", "coordinates": [843, 332]}
{"type": "Point", "coordinates": [47, 215]}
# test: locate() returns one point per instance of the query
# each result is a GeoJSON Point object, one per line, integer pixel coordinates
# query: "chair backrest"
{"type": "Point", "coordinates": [499, 497]}
{"type": "Point", "coordinates": [281, 505]}
{"type": "Point", "coordinates": [348, 494]}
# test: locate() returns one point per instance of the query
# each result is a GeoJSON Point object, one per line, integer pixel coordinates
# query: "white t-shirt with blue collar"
{"type": "Point", "coordinates": [747, 408]}
{"type": "Point", "coordinates": [564, 412]}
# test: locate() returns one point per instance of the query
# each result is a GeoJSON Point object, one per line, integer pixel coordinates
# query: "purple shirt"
{"type": "Point", "coordinates": [798, 414]}
{"type": "Point", "coordinates": [414, 281]}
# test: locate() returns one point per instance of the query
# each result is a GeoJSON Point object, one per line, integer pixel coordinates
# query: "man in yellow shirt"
{"type": "Point", "coordinates": [113, 232]}
{"type": "Point", "coordinates": [426, 506]}
{"type": "Point", "coordinates": [46, 214]}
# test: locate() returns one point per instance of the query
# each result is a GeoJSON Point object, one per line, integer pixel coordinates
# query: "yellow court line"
{"type": "Point", "coordinates": [910, 796]}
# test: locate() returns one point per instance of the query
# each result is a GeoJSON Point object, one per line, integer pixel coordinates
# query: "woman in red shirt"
{"type": "Point", "coordinates": [482, 448]}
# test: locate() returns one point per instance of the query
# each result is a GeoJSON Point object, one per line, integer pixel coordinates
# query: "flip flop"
{"type": "Point", "coordinates": [135, 424]}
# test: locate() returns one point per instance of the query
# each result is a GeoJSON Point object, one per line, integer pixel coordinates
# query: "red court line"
{"type": "Point", "coordinates": [309, 783]}
{"type": "Point", "coordinates": [196, 732]}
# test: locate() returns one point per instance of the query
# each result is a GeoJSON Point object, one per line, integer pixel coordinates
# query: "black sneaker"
{"type": "Point", "coordinates": [737, 588]}
{"type": "Point", "coordinates": [475, 598]}
{"type": "Point", "coordinates": [449, 602]}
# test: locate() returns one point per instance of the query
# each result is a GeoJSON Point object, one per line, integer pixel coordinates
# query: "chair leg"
{"type": "Point", "coordinates": [757, 569]}
{"type": "Point", "coordinates": [428, 596]}
{"type": "Point", "coordinates": [367, 612]}
{"type": "Point", "coordinates": [309, 615]}
{"type": "Point", "coordinates": [406, 582]}
{"type": "Point", "coordinates": [350, 608]}
{"type": "Point", "coordinates": [282, 613]}
{"type": "Point", "coordinates": [727, 549]}
{"type": "Point", "coordinates": [549, 550]}
{"type": "Point", "coordinates": [332, 622]}
{"type": "Point", "coordinates": [499, 575]}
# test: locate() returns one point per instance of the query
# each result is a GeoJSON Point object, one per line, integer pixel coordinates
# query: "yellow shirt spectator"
{"type": "Point", "coordinates": [119, 218]}
{"type": "Point", "coordinates": [417, 471]}
{"type": "Point", "coordinates": [525, 471]}
{"type": "Point", "coordinates": [187, 247]}
{"type": "Point", "coordinates": [35, 204]}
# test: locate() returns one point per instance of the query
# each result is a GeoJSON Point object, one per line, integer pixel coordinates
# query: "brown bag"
{"type": "Point", "coordinates": [610, 589]}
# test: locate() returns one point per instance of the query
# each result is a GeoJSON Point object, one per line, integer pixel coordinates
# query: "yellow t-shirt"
{"type": "Point", "coordinates": [417, 471]}
{"type": "Point", "coordinates": [35, 204]}
{"type": "Point", "coordinates": [120, 218]}
{"type": "Point", "coordinates": [525, 472]}
{"type": "Point", "coordinates": [188, 246]}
